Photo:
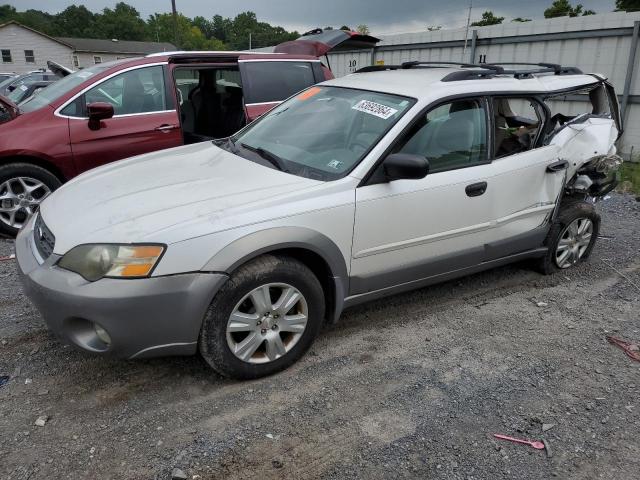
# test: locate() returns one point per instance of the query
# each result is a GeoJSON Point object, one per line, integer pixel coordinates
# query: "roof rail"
{"type": "Point", "coordinates": [419, 64]}
{"type": "Point", "coordinates": [474, 71]}
{"type": "Point", "coordinates": [554, 68]}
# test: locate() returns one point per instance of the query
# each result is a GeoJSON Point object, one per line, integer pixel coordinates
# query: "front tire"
{"type": "Point", "coordinates": [23, 187]}
{"type": "Point", "coordinates": [263, 319]}
{"type": "Point", "coordinates": [572, 236]}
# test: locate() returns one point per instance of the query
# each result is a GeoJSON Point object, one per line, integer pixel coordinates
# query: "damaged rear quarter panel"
{"type": "Point", "coordinates": [584, 138]}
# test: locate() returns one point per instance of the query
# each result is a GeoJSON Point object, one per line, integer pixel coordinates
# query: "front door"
{"type": "Point", "coordinates": [407, 230]}
{"type": "Point", "coordinates": [144, 119]}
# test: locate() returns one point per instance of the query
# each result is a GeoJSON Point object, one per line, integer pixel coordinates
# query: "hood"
{"type": "Point", "coordinates": [59, 70]}
{"type": "Point", "coordinates": [165, 197]}
{"type": "Point", "coordinates": [320, 42]}
{"type": "Point", "coordinates": [11, 108]}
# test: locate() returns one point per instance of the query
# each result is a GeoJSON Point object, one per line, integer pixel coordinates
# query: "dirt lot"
{"type": "Point", "coordinates": [408, 387]}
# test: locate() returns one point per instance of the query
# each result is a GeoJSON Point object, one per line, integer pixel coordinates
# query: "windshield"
{"type": "Point", "coordinates": [54, 91]}
{"type": "Point", "coordinates": [18, 93]}
{"type": "Point", "coordinates": [321, 133]}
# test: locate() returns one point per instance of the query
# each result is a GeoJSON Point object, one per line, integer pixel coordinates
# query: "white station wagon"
{"type": "Point", "coordinates": [386, 180]}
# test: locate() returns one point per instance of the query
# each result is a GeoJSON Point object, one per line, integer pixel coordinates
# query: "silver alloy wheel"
{"type": "Point", "coordinates": [19, 199]}
{"type": "Point", "coordinates": [267, 323]}
{"type": "Point", "coordinates": [574, 241]}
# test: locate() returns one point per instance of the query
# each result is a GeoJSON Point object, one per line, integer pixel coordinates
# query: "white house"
{"type": "Point", "coordinates": [24, 49]}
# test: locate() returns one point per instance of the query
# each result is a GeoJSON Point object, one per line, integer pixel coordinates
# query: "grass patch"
{"type": "Point", "coordinates": [630, 178]}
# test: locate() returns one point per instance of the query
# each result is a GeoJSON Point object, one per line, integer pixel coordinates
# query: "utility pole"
{"type": "Point", "coordinates": [175, 23]}
{"type": "Point", "coordinates": [249, 40]}
{"type": "Point", "coordinates": [466, 32]}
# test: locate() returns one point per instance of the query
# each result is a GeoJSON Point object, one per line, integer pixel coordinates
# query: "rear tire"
{"type": "Point", "coordinates": [263, 319]}
{"type": "Point", "coordinates": [572, 236]}
{"type": "Point", "coordinates": [23, 186]}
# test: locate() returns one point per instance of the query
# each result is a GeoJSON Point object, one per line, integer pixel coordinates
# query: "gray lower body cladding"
{"type": "Point", "coordinates": [424, 273]}
{"type": "Point", "coordinates": [144, 317]}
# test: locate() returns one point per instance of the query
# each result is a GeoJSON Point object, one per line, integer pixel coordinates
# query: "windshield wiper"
{"type": "Point", "coordinates": [272, 158]}
{"type": "Point", "coordinates": [227, 144]}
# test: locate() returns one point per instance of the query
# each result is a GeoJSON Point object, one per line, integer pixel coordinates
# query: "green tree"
{"type": "Point", "coordinates": [7, 12]}
{"type": "Point", "coordinates": [160, 28]}
{"type": "Point", "coordinates": [488, 18]}
{"type": "Point", "coordinates": [205, 26]}
{"type": "Point", "coordinates": [345, 28]}
{"type": "Point", "coordinates": [562, 8]}
{"type": "Point", "coordinates": [625, 5]}
{"type": "Point", "coordinates": [262, 33]}
{"type": "Point", "coordinates": [363, 29]}
{"type": "Point", "coordinates": [520, 19]}
{"type": "Point", "coordinates": [123, 23]}
{"type": "Point", "coordinates": [76, 21]}
{"type": "Point", "coordinates": [221, 27]}
{"type": "Point", "coordinates": [41, 21]}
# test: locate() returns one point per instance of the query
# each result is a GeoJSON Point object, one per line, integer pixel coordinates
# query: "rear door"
{"type": "Point", "coordinates": [529, 176]}
{"type": "Point", "coordinates": [145, 118]}
{"type": "Point", "coordinates": [266, 82]}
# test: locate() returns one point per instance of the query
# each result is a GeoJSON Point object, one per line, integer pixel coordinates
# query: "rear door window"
{"type": "Point", "coordinates": [517, 123]}
{"type": "Point", "coordinates": [274, 81]}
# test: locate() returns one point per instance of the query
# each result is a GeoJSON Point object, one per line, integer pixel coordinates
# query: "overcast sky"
{"type": "Point", "coordinates": [382, 16]}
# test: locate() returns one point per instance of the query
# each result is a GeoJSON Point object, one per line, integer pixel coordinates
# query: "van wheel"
{"type": "Point", "coordinates": [22, 188]}
{"type": "Point", "coordinates": [263, 319]}
{"type": "Point", "coordinates": [572, 237]}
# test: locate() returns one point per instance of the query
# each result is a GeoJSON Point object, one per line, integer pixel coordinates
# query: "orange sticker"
{"type": "Point", "coordinates": [307, 94]}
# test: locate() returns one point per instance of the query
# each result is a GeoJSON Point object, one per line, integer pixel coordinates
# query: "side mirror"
{"type": "Point", "coordinates": [98, 111]}
{"type": "Point", "coordinates": [405, 166]}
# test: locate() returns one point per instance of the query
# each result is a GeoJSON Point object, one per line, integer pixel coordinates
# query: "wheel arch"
{"type": "Point", "coordinates": [315, 250]}
{"type": "Point", "coordinates": [34, 160]}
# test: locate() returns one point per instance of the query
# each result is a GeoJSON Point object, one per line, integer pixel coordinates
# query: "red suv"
{"type": "Point", "coordinates": [128, 107]}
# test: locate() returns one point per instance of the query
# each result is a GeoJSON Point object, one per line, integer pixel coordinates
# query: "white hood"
{"type": "Point", "coordinates": [134, 200]}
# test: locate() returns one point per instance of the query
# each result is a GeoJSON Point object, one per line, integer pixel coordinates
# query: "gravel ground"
{"type": "Point", "coordinates": [411, 386]}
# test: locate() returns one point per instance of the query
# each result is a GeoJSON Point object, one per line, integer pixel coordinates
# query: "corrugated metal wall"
{"type": "Point", "coordinates": [599, 43]}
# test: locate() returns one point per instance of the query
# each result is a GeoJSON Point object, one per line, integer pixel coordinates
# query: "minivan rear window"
{"type": "Point", "coordinates": [274, 81]}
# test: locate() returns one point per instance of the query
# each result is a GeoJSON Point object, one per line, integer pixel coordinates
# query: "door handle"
{"type": "Point", "coordinates": [557, 166]}
{"type": "Point", "coordinates": [476, 189]}
{"type": "Point", "coordinates": [166, 128]}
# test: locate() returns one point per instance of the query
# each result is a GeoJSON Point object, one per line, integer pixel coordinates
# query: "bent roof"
{"type": "Point", "coordinates": [423, 82]}
{"type": "Point", "coordinates": [99, 45]}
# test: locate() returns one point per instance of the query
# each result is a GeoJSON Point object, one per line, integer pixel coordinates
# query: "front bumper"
{"type": "Point", "coordinates": [148, 317]}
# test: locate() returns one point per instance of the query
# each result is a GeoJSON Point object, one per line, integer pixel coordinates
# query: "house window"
{"type": "Point", "coordinates": [76, 61]}
{"type": "Point", "coordinates": [97, 59]}
{"type": "Point", "coordinates": [6, 56]}
{"type": "Point", "coordinates": [29, 56]}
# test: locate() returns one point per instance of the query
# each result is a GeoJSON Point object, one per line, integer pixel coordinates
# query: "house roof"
{"type": "Point", "coordinates": [99, 45]}
{"type": "Point", "coordinates": [57, 40]}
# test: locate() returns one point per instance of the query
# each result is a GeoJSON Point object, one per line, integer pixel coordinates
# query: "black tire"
{"type": "Point", "coordinates": [260, 271]}
{"type": "Point", "coordinates": [15, 170]}
{"type": "Point", "coordinates": [570, 210]}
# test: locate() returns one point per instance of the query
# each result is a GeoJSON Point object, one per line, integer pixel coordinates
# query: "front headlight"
{"type": "Point", "coordinates": [94, 262]}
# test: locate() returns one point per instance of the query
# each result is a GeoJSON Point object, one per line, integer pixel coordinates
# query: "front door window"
{"type": "Point", "coordinates": [137, 91]}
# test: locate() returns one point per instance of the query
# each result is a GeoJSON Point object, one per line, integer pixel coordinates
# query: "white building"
{"type": "Point", "coordinates": [24, 49]}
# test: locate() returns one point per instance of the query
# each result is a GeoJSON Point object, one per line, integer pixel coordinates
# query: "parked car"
{"type": "Point", "coordinates": [6, 76]}
{"type": "Point", "coordinates": [27, 90]}
{"type": "Point", "coordinates": [119, 109]}
{"type": "Point", "coordinates": [354, 189]}
{"type": "Point", "coordinates": [10, 84]}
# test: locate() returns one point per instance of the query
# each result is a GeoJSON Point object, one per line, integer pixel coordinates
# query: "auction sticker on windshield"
{"type": "Point", "coordinates": [376, 109]}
